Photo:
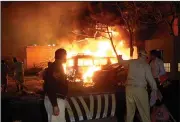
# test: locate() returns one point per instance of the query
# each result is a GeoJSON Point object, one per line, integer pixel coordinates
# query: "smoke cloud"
{"type": "Point", "coordinates": [42, 23]}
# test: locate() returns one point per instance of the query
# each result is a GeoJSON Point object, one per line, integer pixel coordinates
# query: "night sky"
{"type": "Point", "coordinates": [27, 23]}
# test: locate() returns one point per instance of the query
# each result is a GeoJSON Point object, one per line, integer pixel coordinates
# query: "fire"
{"type": "Point", "coordinates": [97, 47]}
{"type": "Point", "coordinates": [101, 48]}
{"type": "Point", "coordinates": [88, 75]}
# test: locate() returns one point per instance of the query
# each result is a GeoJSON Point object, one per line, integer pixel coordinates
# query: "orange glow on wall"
{"type": "Point", "coordinates": [37, 56]}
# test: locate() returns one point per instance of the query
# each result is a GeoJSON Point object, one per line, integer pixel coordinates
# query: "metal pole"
{"type": "Point", "coordinates": [176, 50]}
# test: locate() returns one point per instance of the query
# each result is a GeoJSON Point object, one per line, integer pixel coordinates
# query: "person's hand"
{"type": "Point", "coordinates": [154, 94]}
{"type": "Point", "coordinates": [56, 111]}
{"type": "Point", "coordinates": [153, 97]}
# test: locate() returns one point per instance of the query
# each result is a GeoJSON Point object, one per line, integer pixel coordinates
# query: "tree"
{"type": "Point", "coordinates": [132, 16]}
{"type": "Point", "coordinates": [106, 29]}
{"type": "Point", "coordinates": [129, 16]}
{"type": "Point", "coordinates": [93, 26]}
{"type": "Point", "coordinates": [126, 14]}
{"type": "Point", "coordinates": [104, 20]}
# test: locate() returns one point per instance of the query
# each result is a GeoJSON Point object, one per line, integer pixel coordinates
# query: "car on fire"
{"type": "Point", "coordinates": [80, 68]}
{"type": "Point", "coordinates": [112, 75]}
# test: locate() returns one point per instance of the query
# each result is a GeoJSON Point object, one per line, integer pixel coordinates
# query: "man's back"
{"type": "Point", "coordinates": [18, 67]}
{"type": "Point", "coordinates": [59, 83]}
{"type": "Point", "coordinates": [137, 73]}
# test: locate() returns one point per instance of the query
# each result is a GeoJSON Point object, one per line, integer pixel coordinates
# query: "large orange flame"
{"type": "Point", "coordinates": [99, 47]}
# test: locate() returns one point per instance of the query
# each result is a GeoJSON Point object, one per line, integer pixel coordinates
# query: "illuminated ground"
{"type": "Point", "coordinates": [34, 85]}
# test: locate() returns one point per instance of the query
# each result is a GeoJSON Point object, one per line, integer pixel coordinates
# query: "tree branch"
{"type": "Point", "coordinates": [112, 44]}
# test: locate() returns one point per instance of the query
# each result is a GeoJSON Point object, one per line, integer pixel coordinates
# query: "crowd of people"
{"type": "Point", "coordinates": [140, 74]}
{"type": "Point", "coordinates": [18, 74]}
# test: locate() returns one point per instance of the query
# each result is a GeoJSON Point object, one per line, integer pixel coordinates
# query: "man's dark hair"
{"type": "Point", "coordinates": [59, 53]}
{"type": "Point", "coordinates": [14, 59]}
{"type": "Point", "coordinates": [154, 53]}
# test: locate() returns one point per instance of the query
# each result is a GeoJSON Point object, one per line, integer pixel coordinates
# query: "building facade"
{"type": "Point", "coordinates": [38, 56]}
{"type": "Point", "coordinates": [163, 40]}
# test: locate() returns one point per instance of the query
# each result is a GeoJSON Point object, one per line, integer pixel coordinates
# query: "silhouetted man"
{"type": "Point", "coordinates": [4, 74]}
{"type": "Point", "coordinates": [18, 74]}
{"type": "Point", "coordinates": [56, 88]}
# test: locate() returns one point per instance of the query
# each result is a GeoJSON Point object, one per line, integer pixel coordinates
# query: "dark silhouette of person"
{"type": "Point", "coordinates": [4, 74]}
{"type": "Point", "coordinates": [18, 74]}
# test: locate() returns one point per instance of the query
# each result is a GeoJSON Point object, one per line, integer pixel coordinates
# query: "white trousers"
{"type": "Point", "coordinates": [49, 109]}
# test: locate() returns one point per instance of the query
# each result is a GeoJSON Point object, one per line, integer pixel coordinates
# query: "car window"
{"type": "Point", "coordinates": [85, 62]}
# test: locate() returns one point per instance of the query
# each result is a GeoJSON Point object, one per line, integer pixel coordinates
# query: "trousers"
{"type": "Point", "coordinates": [137, 97]}
{"type": "Point", "coordinates": [49, 110]}
{"type": "Point", "coordinates": [19, 77]}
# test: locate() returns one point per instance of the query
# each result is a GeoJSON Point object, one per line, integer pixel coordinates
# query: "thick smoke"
{"type": "Point", "coordinates": [42, 23]}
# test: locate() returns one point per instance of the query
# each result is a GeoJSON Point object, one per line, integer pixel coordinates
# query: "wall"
{"type": "Point", "coordinates": [161, 39]}
{"type": "Point", "coordinates": [37, 56]}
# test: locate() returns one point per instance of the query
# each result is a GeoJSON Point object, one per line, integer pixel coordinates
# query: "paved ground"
{"type": "Point", "coordinates": [34, 84]}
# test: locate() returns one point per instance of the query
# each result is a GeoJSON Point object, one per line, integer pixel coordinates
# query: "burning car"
{"type": "Point", "coordinates": [111, 75]}
{"type": "Point", "coordinates": [80, 68]}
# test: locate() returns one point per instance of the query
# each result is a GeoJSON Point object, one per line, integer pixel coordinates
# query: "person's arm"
{"type": "Point", "coordinates": [150, 79]}
{"type": "Point", "coordinates": [51, 87]}
{"type": "Point", "coordinates": [60, 76]}
{"type": "Point", "coordinates": [125, 63]}
{"type": "Point", "coordinates": [51, 93]}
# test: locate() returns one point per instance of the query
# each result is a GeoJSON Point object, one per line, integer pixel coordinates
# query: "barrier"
{"type": "Point", "coordinates": [90, 107]}
{"type": "Point", "coordinates": [78, 108]}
